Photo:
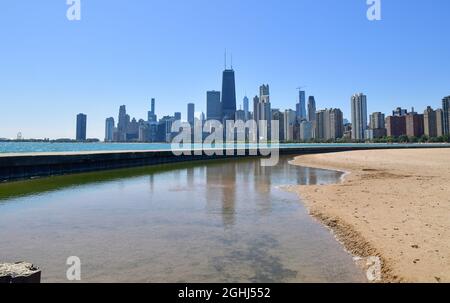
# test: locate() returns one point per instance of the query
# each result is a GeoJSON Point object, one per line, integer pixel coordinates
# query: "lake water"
{"type": "Point", "coordinates": [41, 147]}
{"type": "Point", "coordinates": [226, 221]}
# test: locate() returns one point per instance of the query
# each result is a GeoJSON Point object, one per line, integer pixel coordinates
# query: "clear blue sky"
{"type": "Point", "coordinates": [125, 52]}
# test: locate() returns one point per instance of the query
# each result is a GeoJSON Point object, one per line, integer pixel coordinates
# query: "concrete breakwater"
{"type": "Point", "coordinates": [31, 165]}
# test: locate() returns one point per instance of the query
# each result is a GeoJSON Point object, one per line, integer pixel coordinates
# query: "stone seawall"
{"type": "Point", "coordinates": [25, 166]}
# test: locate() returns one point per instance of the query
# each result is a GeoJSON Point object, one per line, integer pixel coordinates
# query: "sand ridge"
{"type": "Point", "coordinates": [394, 204]}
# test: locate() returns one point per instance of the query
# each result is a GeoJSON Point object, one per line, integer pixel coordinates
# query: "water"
{"type": "Point", "coordinates": [40, 147]}
{"type": "Point", "coordinates": [216, 222]}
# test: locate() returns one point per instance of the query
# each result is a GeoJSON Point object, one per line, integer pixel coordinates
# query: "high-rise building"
{"type": "Point", "coordinates": [439, 122]}
{"type": "Point", "coordinates": [377, 128]}
{"type": "Point", "coordinates": [336, 124]}
{"type": "Point", "coordinates": [290, 119]}
{"type": "Point", "coordinates": [165, 129]}
{"type": "Point", "coordinates": [306, 130]}
{"type": "Point", "coordinates": [213, 106]}
{"type": "Point", "coordinates": [301, 106]}
{"type": "Point", "coordinates": [396, 126]}
{"type": "Point", "coordinates": [143, 131]}
{"type": "Point", "coordinates": [81, 127]}
{"type": "Point", "coordinates": [430, 122]}
{"type": "Point", "coordinates": [377, 120]}
{"type": "Point", "coordinates": [246, 108]}
{"type": "Point", "coordinates": [152, 117]}
{"type": "Point", "coordinates": [359, 116]}
{"type": "Point", "coordinates": [311, 109]}
{"type": "Point", "coordinates": [277, 115]}
{"type": "Point", "coordinates": [399, 112]}
{"type": "Point", "coordinates": [122, 124]}
{"type": "Point", "coordinates": [191, 113]}
{"type": "Point", "coordinates": [255, 108]}
{"type": "Point", "coordinates": [263, 111]}
{"type": "Point", "coordinates": [264, 93]}
{"type": "Point", "coordinates": [228, 95]}
{"type": "Point", "coordinates": [133, 130]}
{"type": "Point", "coordinates": [446, 115]}
{"type": "Point", "coordinates": [329, 124]}
{"type": "Point", "coordinates": [262, 107]}
{"type": "Point", "coordinates": [414, 124]}
{"type": "Point", "coordinates": [240, 115]}
{"type": "Point", "coordinates": [109, 130]}
{"type": "Point", "coordinates": [177, 116]}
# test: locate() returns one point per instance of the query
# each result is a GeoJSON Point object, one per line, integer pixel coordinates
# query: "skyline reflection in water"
{"type": "Point", "coordinates": [225, 221]}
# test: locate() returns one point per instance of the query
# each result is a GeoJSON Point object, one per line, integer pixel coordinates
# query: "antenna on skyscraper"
{"type": "Point", "coordinates": [231, 61]}
{"type": "Point", "coordinates": [225, 59]}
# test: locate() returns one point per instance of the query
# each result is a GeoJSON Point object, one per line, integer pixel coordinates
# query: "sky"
{"type": "Point", "coordinates": [126, 52]}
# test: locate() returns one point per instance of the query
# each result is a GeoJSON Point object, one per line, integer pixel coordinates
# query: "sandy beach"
{"type": "Point", "coordinates": [394, 204]}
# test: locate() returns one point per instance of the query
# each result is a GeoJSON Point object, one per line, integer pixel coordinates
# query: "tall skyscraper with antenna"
{"type": "Point", "coordinates": [228, 93]}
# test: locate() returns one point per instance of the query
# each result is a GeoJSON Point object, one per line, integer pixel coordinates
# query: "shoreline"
{"type": "Point", "coordinates": [350, 239]}
{"type": "Point", "coordinates": [389, 205]}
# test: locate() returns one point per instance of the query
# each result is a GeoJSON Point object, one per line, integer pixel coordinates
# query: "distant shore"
{"type": "Point", "coordinates": [394, 204]}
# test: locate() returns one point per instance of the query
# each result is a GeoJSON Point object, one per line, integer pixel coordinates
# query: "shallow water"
{"type": "Point", "coordinates": [217, 222]}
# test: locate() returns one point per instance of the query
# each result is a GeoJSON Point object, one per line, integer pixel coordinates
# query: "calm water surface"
{"type": "Point", "coordinates": [215, 222]}
{"type": "Point", "coordinates": [41, 147]}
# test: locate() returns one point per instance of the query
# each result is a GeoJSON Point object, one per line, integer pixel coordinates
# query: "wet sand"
{"type": "Point", "coordinates": [394, 204]}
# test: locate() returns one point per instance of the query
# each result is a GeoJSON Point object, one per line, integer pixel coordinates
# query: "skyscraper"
{"type": "Point", "coordinates": [446, 115]}
{"type": "Point", "coordinates": [177, 116]}
{"type": "Point", "coordinates": [336, 123]}
{"type": "Point", "coordinates": [399, 112]}
{"type": "Point", "coordinates": [290, 118]}
{"type": "Point", "coordinates": [228, 95]}
{"type": "Point", "coordinates": [152, 114]}
{"type": "Point", "coordinates": [359, 116]}
{"type": "Point", "coordinates": [377, 126]}
{"type": "Point", "coordinates": [429, 121]}
{"type": "Point", "coordinates": [213, 106]}
{"type": "Point", "coordinates": [261, 104]}
{"type": "Point", "coordinates": [311, 109]}
{"type": "Point", "coordinates": [109, 130]}
{"type": "Point", "coordinates": [81, 127]}
{"type": "Point", "coordinates": [191, 113]}
{"type": "Point", "coordinates": [329, 124]}
{"type": "Point", "coordinates": [122, 124]}
{"type": "Point", "coordinates": [396, 126]}
{"type": "Point", "coordinates": [246, 104]}
{"type": "Point", "coordinates": [277, 115]}
{"type": "Point", "coordinates": [440, 122]}
{"type": "Point", "coordinates": [264, 93]}
{"type": "Point", "coordinates": [377, 121]}
{"type": "Point", "coordinates": [263, 111]}
{"type": "Point", "coordinates": [414, 124]}
{"type": "Point", "coordinates": [306, 131]}
{"type": "Point", "coordinates": [301, 106]}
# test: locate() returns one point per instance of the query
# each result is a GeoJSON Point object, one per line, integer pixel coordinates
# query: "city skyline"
{"type": "Point", "coordinates": [56, 69]}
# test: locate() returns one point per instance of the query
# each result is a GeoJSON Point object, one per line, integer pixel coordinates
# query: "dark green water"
{"type": "Point", "coordinates": [215, 222]}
